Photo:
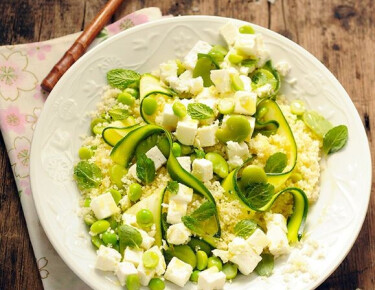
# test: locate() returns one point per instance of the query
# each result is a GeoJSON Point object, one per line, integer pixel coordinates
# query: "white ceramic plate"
{"type": "Point", "coordinates": [334, 222]}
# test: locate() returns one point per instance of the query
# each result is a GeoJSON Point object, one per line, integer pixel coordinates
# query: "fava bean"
{"type": "Point", "coordinates": [253, 174]}
{"type": "Point", "coordinates": [116, 173]}
{"type": "Point", "coordinates": [226, 106]}
{"type": "Point", "coordinates": [132, 282]}
{"type": "Point", "coordinates": [220, 166]}
{"type": "Point", "coordinates": [149, 105]}
{"type": "Point", "coordinates": [116, 195]}
{"type": "Point", "coordinates": [235, 58]}
{"type": "Point", "coordinates": [214, 261]}
{"type": "Point", "coordinates": [218, 53]}
{"type": "Point", "coordinates": [194, 276]}
{"type": "Point", "coordinates": [179, 109]}
{"type": "Point", "coordinates": [156, 284]}
{"type": "Point", "coordinates": [246, 29]}
{"type": "Point", "coordinates": [133, 92]}
{"type": "Point", "coordinates": [297, 107]}
{"type": "Point", "coordinates": [202, 260]}
{"type": "Point", "coordinates": [150, 259]}
{"type": "Point", "coordinates": [89, 219]}
{"type": "Point", "coordinates": [237, 83]}
{"type": "Point", "coordinates": [185, 149]}
{"type": "Point", "coordinates": [134, 192]}
{"type": "Point", "coordinates": [99, 226]}
{"type": "Point", "coordinates": [125, 98]}
{"type": "Point", "coordinates": [236, 128]}
{"type": "Point", "coordinates": [176, 149]}
{"type": "Point", "coordinates": [230, 270]}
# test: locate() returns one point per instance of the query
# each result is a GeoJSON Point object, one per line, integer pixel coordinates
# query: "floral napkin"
{"type": "Point", "coordinates": [22, 68]}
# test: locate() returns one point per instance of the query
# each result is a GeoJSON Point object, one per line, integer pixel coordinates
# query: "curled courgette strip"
{"type": "Point", "coordinates": [123, 153]}
{"type": "Point", "coordinates": [296, 221]}
{"type": "Point", "coordinates": [111, 135]}
{"type": "Point", "coordinates": [274, 120]}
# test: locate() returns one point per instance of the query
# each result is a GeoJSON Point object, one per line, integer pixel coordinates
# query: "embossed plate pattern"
{"type": "Point", "coordinates": [334, 222]}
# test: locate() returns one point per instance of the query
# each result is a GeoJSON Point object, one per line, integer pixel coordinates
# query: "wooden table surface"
{"type": "Point", "coordinates": [341, 34]}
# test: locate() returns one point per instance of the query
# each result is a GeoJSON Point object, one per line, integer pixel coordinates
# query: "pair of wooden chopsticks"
{"type": "Point", "coordinates": [80, 45]}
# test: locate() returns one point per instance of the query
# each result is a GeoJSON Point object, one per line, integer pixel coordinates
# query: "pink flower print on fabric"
{"type": "Point", "coordinates": [20, 157]}
{"type": "Point", "coordinates": [40, 51]}
{"type": "Point", "coordinates": [11, 119]}
{"type": "Point", "coordinates": [24, 183]}
{"type": "Point", "coordinates": [40, 94]}
{"type": "Point", "coordinates": [127, 22]}
{"type": "Point", "coordinates": [14, 76]}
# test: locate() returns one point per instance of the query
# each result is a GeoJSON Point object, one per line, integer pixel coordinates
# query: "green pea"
{"type": "Point", "coordinates": [116, 195]}
{"type": "Point", "coordinates": [96, 241]}
{"type": "Point", "coordinates": [132, 282]}
{"type": "Point", "coordinates": [149, 105]}
{"type": "Point", "coordinates": [125, 98]}
{"type": "Point", "coordinates": [237, 84]}
{"type": "Point", "coordinates": [134, 192]}
{"type": "Point", "coordinates": [99, 226]}
{"type": "Point", "coordinates": [133, 92]}
{"type": "Point", "coordinates": [236, 128]}
{"type": "Point", "coordinates": [202, 260]}
{"type": "Point", "coordinates": [179, 109]}
{"type": "Point", "coordinates": [156, 284]}
{"type": "Point", "coordinates": [85, 153]}
{"type": "Point", "coordinates": [185, 149]}
{"type": "Point", "coordinates": [116, 173]}
{"type": "Point", "coordinates": [253, 174]}
{"type": "Point", "coordinates": [220, 166]}
{"type": "Point", "coordinates": [297, 107]}
{"type": "Point", "coordinates": [163, 145]}
{"type": "Point", "coordinates": [176, 149]}
{"type": "Point", "coordinates": [246, 29]}
{"type": "Point", "coordinates": [109, 238]}
{"type": "Point", "coordinates": [87, 202]}
{"type": "Point", "coordinates": [214, 261]}
{"type": "Point", "coordinates": [235, 58]}
{"type": "Point", "coordinates": [145, 217]}
{"type": "Point", "coordinates": [218, 53]}
{"type": "Point", "coordinates": [89, 219]}
{"type": "Point", "coordinates": [194, 276]}
{"type": "Point", "coordinates": [230, 270]}
{"type": "Point", "coordinates": [226, 106]}
{"type": "Point", "coordinates": [150, 259]}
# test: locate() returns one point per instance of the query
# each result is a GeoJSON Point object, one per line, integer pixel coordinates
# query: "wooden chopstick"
{"type": "Point", "coordinates": [80, 45]}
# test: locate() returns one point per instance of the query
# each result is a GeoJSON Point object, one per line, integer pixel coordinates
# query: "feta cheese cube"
{"type": "Point", "coordinates": [245, 102]}
{"type": "Point", "coordinates": [246, 83]}
{"type": "Point", "coordinates": [191, 58]}
{"type": "Point", "coordinates": [247, 44]}
{"type": "Point", "coordinates": [107, 259]}
{"type": "Point", "coordinates": [132, 172]}
{"type": "Point", "coordinates": [133, 255]}
{"type": "Point", "coordinates": [178, 234]}
{"type": "Point", "coordinates": [264, 91]}
{"type": "Point", "coordinates": [206, 135]}
{"type": "Point", "coordinates": [147, 241]}
{"type": "Point", "coordinates": [104, 206]}
{"type": "Point", "coordinates": [129, 219]}
{"type": "Point", "coordinates": [168, 69]}
{"type": "Point", "coordinates": [258, 241]}
{"type": "Point", "coordinates": [237, 246]}
{"type": "Point", "coordinates": [145, 274]}
{"type": "Point", "coordinates": [283, 68]}
{"type": "Point", "coordinates": [178, 272]}
{"type": "Point", "coordinates": [176, 210]}
{"type": "Point", "coordinates": [203, 169]}
{"type": "Point", "coordinates": [276, 219]}
{"type": "Point", "coordinates": [169, 119]}
{"type": "Point", "coordinates": [155, 155]}
{"type": "Point", "coordinates": [229, 32]}
{"type": "Point", "coordinates": [223, 255]}
{"type": "Point", "coordinates": [196, 85]}
{"type": "Point", "coordinates": [237, 149]}
{"type": "Point", "coordinates": [184, 194]}
{"type": "Point", "coordinates": [235, 162]}
{"type": "Point", "coordinates": [221, 80]}
{"type": "Point", "coordinates": [185, 162]}
{"type": "Point", "coordinates": [125, 269]}
{"type": "Point", "coordinates": [178, 85]}
{"type": "Point", "coordinates": [211, 279]}
{"type": "Point", "coordinates": [186, 131]}
{"type": "Point", "coordinates": [246, 261]}
{"type": "Point", "coordinates": [160, 268]}
{"type": "Point", "coordinates": [277, 235]}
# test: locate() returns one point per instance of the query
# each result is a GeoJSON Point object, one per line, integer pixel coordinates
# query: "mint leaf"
{"type": "Point", "coordinates": [122, 78]}
{"type": "Point", "coordinates": [118, 114]}
{"type": "Point", "coordinates": [335, 139]}
{"type": "Point", "coordinates": [259, 194]}
{"type": "Point", "coordinates": [265, 266]}
{"type": "Point", "coordinates": [276, 163]}
{"type": "Point", "coordinates": [173, 187]}
{"type": "Point", "coordinates": [192, 224]}
{"type": "Point", "coordinates": [128, 237]}
{"type": "Point", "coordinates": [87, 175]}
{"type": "Point", "coordinates": [245, 228]}
{"type": "Point", "coordinates": [145, 169]}
{"type": "Point", "coordinates": [205, 211]}
{"type": "Point", "coordinates": [200, 111]}
{"type": "Point", "coordinates": [317, 123]}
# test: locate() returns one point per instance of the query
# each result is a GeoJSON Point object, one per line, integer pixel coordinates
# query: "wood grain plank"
{"type": "Point", "coordinates": [340, 33]}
